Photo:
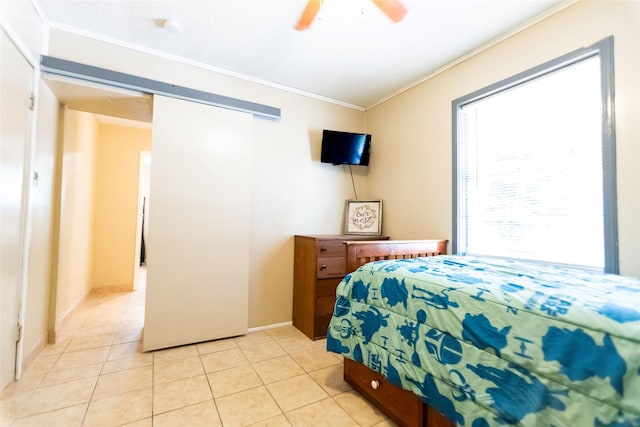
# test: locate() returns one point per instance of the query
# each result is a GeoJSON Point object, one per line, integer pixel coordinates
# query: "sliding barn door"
{"type": "Point", "coordinates": [199, 219]}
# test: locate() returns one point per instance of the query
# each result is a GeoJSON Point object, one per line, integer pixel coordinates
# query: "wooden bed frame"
{"type": "Point", "coordinates": [402, 406]}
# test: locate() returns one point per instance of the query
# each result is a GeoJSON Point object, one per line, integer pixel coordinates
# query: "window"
{"type": "Point", "coordinates": [534, 164]}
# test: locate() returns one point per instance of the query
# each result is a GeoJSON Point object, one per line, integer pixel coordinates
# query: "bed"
{"type": "Point", "coordinates": [450, 340]}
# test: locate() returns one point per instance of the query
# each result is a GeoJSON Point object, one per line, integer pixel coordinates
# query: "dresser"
{"type": "Point", "coordinates": [319, 265]}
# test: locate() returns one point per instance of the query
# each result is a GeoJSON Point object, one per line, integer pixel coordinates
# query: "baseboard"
{"type": "Point", "coordinates": [99, 290]}
{"type": "Point", "coordinates": [52, 334]}
{"type": "Point", "coordinates": [273, 326]}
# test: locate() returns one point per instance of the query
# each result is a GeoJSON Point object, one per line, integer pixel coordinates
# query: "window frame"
{"type": "Point", "coordinates": [603, 49]}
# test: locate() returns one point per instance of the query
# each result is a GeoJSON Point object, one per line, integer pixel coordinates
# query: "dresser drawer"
{"type": "Point", "coordinates": [404, 407]}
{"type": "Point", "coordinates": [321, 324]}
{"type": "Point", "coordinates": [324, 305]}
{"type": "Point", "coordinates": [330, 267]}
{"type": "Point", "coordinates": [330, 248]}
{"type": "Point", "coordinates": [327, 287]}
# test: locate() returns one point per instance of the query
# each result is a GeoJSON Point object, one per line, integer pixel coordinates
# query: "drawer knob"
{"type": "Point", "coordinates": [323, 267]}
{"type": "Point", "coordinates": [323, 249]}
{"type": "Point", "coordinates": [375, 384]}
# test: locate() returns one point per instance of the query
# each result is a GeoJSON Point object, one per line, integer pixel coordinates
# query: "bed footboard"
{"type": "Point", "coordinates": [359, 253]}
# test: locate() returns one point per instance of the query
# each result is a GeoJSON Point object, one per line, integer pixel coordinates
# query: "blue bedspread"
{"type": "Point", "coordinates": [492, 342]}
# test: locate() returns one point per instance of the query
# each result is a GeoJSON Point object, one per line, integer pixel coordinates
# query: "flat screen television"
{"type": "Point", "coordinates": [345, 148]}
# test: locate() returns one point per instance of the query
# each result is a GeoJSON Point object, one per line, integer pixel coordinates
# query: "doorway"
{"type": "Point", "coordinates": [105, 130]}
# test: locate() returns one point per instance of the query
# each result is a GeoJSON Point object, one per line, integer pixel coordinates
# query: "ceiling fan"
{"type": "Point", "coordinates": [394, 9]}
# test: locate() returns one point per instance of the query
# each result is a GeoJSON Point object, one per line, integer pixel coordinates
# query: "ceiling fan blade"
{"type": "Point", "coordinates": [394, 9]}
{"type": "Point", "coordinates": [309, 14]}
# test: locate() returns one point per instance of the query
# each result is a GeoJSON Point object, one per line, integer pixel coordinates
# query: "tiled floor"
{"type": "Point", "coordinates": [96, 375]}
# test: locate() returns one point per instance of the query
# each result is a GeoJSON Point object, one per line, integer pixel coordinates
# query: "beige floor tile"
{"type": "Point", "coordinates": [66, 335]}
{"type": "Point", "coordinates": [76, 359]}
{"type": "Point", "coordinates": [42, 364]}
{"type": "Point", "coordinates": [72, 374]}
{"type": "Point", "coordinates": [277, 369]}
{"type": "Point", "coordinates": [27, 383]}
{"type": "Point", "coordinates": [67, 417]}
{"type": "Point", "coordinates": [165, 371]}
{"type": "Point", "coordinates": [285, 332]}
{"type": "Point", "coordinates": [58, 396]}
{"type": "Point", "coordinates": [297, 344]}
{"type": "Point", "coordinates": [122, 351]}
{"type": "Point", "coordinates": [331, 379]}
{"type": "Point", "coordinates": [131, 323]}
{"type": "Point", "coordinates": [147, 422]}
{"type": "Point", "coordinates": [136, 360]}
{"type": "Point", "coordinates": [279, 421]}
{"type": "Point", "coordinates": [320, 414]}
{"type": "Point", "coordinates": [202, 414]}
{"type": "Point", "coordinates": [127, 335]}
{"type": "Point", "coordinates": [175, 353]}
{"type": "Point", "coordinates": [216, 345]}
{"type": "Point", "coordinates": [56, 348]}
{"type": "Point", "coordinates": [233, 408]}
{"type": "Point", "coordinates": [359, 408]}
{"type": "Point", "coordinates": [263, 351]}
{"type": "Point", "coordinates": [181, 393]}
{"type": "Point", "coordinates": [10, 405]}
{"type": "Point", "coordinates": [253, 338]}
{"type": "Point", "coordinates": [233, 380]}
{"type": "Point", "coordinates": [120, 409]}
{"type": "Point", "coordinates": [75, 320]}
{"type": "Point", "coordinates": [92, 341]}
{"type": "Point", "coordinates": [295, 392]}
{"type": "Point", "coordinates": [95, 330]}
{"type": "Point", "coordinates": [312, 360]}
{"type": "Point", "coordinates": [123, 381]}
{"type": "Point", "coordinates": [224, 359]}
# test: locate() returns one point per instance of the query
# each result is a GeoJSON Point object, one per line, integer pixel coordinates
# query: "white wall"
{"type": "Point", "coordinates": [413, 169]}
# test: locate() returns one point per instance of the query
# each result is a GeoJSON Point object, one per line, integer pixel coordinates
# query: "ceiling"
{"type": "Point", "coordinates": [352, 53]}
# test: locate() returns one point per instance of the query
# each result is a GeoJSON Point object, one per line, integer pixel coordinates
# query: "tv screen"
{"type": "Point", "coordinates": [345, 148]}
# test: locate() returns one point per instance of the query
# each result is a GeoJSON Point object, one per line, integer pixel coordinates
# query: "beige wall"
{"type": "Point", "coordinates": [291, 191]}
{"type": "Point", "coordinates": [412, 168]}
{"type": "Point", "coordinates": [116, 204]}
{"type": "Point", "coordinates": [75, 250]}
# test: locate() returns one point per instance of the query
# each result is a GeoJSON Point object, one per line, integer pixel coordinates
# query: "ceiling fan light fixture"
{"type": "Point", "coordinates": [308, 15]}
{"type": "Point", "coordinates": [394, 9]}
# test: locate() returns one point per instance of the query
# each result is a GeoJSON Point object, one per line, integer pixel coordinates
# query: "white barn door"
{"type": "Point", "coordinates": [199, 224]}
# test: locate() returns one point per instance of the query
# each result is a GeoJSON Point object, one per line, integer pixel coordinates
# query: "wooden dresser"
{"type": "Point", "coordinates": [319, 265]}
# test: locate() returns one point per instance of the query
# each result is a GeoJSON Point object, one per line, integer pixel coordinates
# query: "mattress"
{"type": "Point", "coordinates": [492, 342]}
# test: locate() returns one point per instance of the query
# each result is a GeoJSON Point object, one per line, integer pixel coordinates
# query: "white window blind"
{"type": "Point", "coordinates": [530, 169]}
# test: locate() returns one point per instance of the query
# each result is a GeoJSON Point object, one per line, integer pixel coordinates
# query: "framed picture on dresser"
{"type": "Point", "coordinates": [363, 217]}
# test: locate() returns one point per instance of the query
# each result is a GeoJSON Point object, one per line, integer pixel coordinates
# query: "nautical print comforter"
{"type": "Point", "coordinates": [492, 342]}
